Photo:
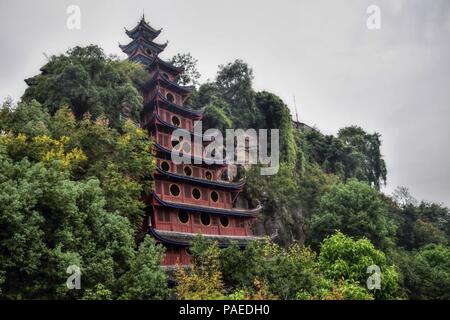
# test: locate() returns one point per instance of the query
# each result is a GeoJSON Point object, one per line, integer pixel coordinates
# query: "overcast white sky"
{"type": "Point", "coordinates": [395, 80]}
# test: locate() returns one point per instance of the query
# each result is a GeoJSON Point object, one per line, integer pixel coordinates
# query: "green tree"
{"type": "Point", "coordinates": [204, 280]}
{"type": "Point", "coordinates": [188, 63]}
{"type": "Point", "coordinates": [430, 273]}
{"type": "Point", "coordinates": [50, 222]}
{"type": "Point", "coordinates": [357, 210]}
{"type": "Point", "coordinates": [291, 270]}
{"type": "Point", "coordinates": [145, 279]}
{"type": "Point", "coordinates": [336, 290]}
{"type": "Point", "coordinates": [425, 274]}
{"type": "Point", "coordinates": [99, 292]}
{"type": "Point", "coordinates": [419, 225]}
{"type": "Point", "coordinates": [215, 117]}
{"type": "Point", "coordinates": [69, 195]}
{"type": "Point", "coordinates": [368, 145]}
{"type": "Point", "coordinates": [278, 194]}
{"type": "Point", "coordinates": [426, 233]}
{"type": "Point", "coordinates": [28, 118]}
{"type": "Point", "coordinates": [276, 115]}
{"type": "Point", "coordinates": [241, 267]}
{"type": "Point", "coordinates": [312, 183]}
{"type": "Point", "coordinates": [341, 257]}
{"type": "Point", "coordinates": [89, 82]}
{"type": "Point", "coordinates": [284, 271]}
{"type": "Point", "coordinates": [354, 153]}
{"type": "Point", "coordinates": [234, 83]}
{"type": "Point", "coordinates": [330, 153]}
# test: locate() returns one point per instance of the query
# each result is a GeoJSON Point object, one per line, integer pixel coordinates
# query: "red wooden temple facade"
{"type": "Point", "coordinates": [187, 199]}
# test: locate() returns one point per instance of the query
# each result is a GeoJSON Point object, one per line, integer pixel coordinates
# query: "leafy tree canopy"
{"type": "Point", "coordinates": [357, 210]}
{"type": "Point", "coordinates": [190, 74]}
{"type": "Point", "coordinates": [70, 196]}
{"type": "Point", "coordinates": [341, 257]}
{"type": "Point", "coordinates": [89, 82]}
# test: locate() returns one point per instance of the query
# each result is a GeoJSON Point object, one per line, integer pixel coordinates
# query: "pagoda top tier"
{"type": "Point", "coordinates": [143, 29]}
{"type": "Point", "coordinates": [142, 48]}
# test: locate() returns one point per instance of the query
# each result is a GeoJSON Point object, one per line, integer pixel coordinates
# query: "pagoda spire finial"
{"type": "Point", "coordinates": [142, 48]}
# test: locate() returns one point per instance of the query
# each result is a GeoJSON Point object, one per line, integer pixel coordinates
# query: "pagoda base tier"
{"type": "Point", "coordinates": [177, 244]}
{"type": "Point", "coordinates": [184, 239]}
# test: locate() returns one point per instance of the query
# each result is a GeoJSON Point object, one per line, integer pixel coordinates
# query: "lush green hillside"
{"type": "Point", "coordinates": [74, 166]}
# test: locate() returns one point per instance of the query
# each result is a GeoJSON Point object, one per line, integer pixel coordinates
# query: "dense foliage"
{"type": "Point", "coordinates": [265, 270]}
{"type": "Point", "coordinates": [188, 63]}
{"type": "Point", "coordinates": [325, 183]}
{"type": "Point", "coordinates": [357, 210]}
{"type": "Point", "coordinates": [70, 195]}
{"type": "Point", "coordinates": [74, 168]}
{"type": "Point", "coordinates": [87, 81]}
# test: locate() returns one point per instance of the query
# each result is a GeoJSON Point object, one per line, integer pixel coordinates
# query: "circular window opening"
{"type": "Point", "coordinates": [170, 97]}
{"type": "Point", "coordinates": [214, 196]}
{"type": "Point", "coordinates": [188, 171]}
{"type": "Point", "coordinates": [165, 75]}
{"type": "Point", "coordinates": [149, 52]}
{"type": "Point", "coordinates": [196, 194]}
{"type": "Point", "coordinates": [205, 219]}
{"type": "Point", "coordinates": [188, 251]}
{"type": "Point", "coordinates": [224, 221]}
{"type": "Point", "coordinates": [176, 121]}
{"type": "Point", "coordinates": [174, 190]}
{"type": "Point", "coordinates": [183, 217]}
{"type": "Point", "coordinates": [165, 166]}
{"type": "Point", "coordinates": [208, 175]}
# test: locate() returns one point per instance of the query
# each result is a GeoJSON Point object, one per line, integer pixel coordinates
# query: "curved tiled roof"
{"type": "Point", "coordinates": [170, 67]}
{"type": "Point", "coordinates": [185, 239]}
{"type": "Point", "coordinates": [177, 108]}
{"type": "Point", "coordinates": [219, 211]}
{"type": "Point", "coordinates": [171, 126]}
{"type": "Point", "coordinates": [131, 47]}
{"type": "Point", "coordinates": [197, 113]}
{"type": "Point", "coordinates": [157, 77]}
{"type": "Point", "coordinates": [221, 184]}
{"type": "Point", "coordinates": [144, 27]}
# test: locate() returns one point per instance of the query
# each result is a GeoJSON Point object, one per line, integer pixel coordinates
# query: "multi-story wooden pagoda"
{"type": "Point", "coordinates": [187, 198]}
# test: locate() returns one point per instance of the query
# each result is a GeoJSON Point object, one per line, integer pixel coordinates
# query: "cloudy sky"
{"type": "Point", "coordinates": [395, 80]}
